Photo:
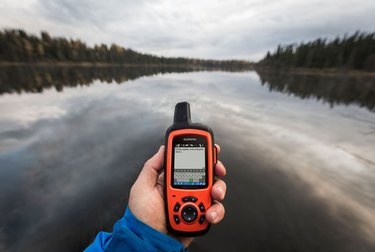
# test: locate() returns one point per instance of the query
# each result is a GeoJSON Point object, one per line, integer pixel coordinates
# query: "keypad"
{"type": "Point", "coordinates": [196, 176]}
{"type": "Point", "coordinates": [189, 213]}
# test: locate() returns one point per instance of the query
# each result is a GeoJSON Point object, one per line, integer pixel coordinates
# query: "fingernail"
{"type": "Point", "coordinates": [213, 216]}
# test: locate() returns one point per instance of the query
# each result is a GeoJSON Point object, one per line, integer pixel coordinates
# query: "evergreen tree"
{"type": "Point", "coordinates": [18, 46]}
{"type": "Point", "coordinates": [356, 51]}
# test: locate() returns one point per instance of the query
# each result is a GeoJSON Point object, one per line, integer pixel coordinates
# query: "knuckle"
{"type": "Point", "coordinates": [223, 209]}
{"type": "Point", "coordinates": [220, 209]}
{"type": "Point", "coordinates": [147, 163]}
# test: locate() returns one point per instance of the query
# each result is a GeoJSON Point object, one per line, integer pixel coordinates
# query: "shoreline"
{"type": "Point", "coordinates": [86, 64]}
{"type": "Point", "coordinates": [315, 71]}
{"type": "Point", "coordinates": [267, 69]}
{"type": "Point", "coordinates": [95, 64]}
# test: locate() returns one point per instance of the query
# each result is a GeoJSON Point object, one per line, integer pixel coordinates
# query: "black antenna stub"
{"type": "Point", "coordinates": [182, 113]}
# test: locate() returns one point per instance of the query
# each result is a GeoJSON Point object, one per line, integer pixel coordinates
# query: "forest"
{"type": "Point", "coordinates": [17, 46]}
{"type": "Point", "coordinates": [356, 51]}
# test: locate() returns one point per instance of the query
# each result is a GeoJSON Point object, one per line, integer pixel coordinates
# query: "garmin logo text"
{"type": "Point", "coordinates": [190, 139]}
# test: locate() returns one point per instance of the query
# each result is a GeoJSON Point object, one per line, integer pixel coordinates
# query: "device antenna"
{"type": "Point", "coordinates": [182, 113]}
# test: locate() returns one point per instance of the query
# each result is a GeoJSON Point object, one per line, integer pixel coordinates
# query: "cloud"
{"type": "Point", "coordinates": [296, 181]}
{"type": "Point", "coordinates": [208, 29]}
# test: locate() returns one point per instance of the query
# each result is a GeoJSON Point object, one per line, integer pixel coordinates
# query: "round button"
{"type": "Point", "coordinates": [189, 213]}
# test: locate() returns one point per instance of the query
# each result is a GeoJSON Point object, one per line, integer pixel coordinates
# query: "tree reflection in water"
{"type": "Point", "coordinates": [331, 88]}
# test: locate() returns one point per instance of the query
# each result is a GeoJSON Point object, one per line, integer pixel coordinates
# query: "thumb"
{"type": "Point", "coordinates": [150, 172]}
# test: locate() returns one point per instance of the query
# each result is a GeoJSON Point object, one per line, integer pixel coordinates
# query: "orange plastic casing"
{"type": "Point", "coordinates": [174, 195]}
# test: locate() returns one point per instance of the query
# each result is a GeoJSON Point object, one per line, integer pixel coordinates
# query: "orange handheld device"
{"type": "Point", "coordinates": [190, 157]}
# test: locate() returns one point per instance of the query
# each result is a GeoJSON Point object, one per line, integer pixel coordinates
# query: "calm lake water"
{"type": "Point", "coordinates": [299, 152]}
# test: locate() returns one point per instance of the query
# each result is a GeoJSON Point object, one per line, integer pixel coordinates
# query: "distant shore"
{"type": "Point", "coordinates": [88, 64]}
{"type": "Point", "coordinates": [100, 64]}
{"type": "Point", "coordinates": [285, 70]}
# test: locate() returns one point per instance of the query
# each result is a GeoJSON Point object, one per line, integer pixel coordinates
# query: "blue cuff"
{"type": "Point", "coordinates": [130, 234]}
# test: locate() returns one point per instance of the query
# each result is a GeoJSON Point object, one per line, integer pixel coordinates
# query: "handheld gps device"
{"type": "Point", "coordinates": [190, 157]}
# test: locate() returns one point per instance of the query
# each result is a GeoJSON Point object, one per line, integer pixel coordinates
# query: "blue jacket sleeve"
{"type": "Point", "coordinates": [130, 234]}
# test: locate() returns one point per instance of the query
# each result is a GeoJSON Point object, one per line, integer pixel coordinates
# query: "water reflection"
{"type": "Point", "coordinates": [300, 174]}
{"type": "Point", "coordinates": [17, 79]}
{"type": "Point", "coordinates": [35, 79]}
{"type": "Point", "coordinates": [331, 88]}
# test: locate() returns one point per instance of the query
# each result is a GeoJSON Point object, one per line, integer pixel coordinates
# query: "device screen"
{"type": "Point", "coordinates": [189, 161]}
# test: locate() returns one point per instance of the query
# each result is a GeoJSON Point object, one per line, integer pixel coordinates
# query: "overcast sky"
{"type": "Point", "coordinates": [204, 28]}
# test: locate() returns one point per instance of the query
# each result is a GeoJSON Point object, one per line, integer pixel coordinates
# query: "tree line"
{"type": "Point", "coordinates": [356, 51]}
{"type": "Point", "coordinates": [18, 46]}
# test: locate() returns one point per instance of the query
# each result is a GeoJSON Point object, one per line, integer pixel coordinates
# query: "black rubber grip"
{"type": "Point", "coordinates": [182, 113]}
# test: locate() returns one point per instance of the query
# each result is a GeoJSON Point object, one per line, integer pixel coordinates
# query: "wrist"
{"type": "Point", "coordinates": [148, 219]}
{"type": "Point", "coordinates": [149, 235]}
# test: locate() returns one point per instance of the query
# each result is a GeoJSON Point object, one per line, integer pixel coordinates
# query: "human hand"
{"type": "Point", "coordinates": [146, 200]}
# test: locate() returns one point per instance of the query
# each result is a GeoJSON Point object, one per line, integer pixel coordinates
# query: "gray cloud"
{"type": "Point", "coordinates": [296, 182]}
{"type": "Point", "coordinates": [209, 29]}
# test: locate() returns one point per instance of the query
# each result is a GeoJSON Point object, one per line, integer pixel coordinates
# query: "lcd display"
{"type": "Point", "coordinates": [189, 163]}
